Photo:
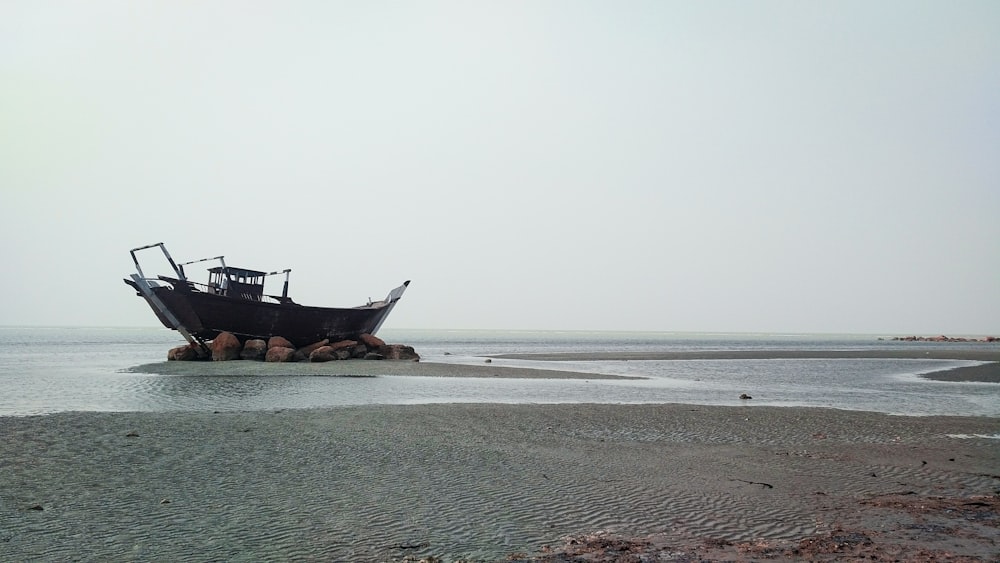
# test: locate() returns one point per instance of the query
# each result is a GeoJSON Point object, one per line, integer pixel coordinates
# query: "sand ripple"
{"type": "Point", "coordinates": [458, 481]}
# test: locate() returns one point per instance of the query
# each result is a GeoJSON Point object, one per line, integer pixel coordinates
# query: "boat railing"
{"type": "Point", "coordinates": [173, 265]}
{"type": "Point", "coordinates": [172, 283]}
{"type": "Point", "coordinates": [222, 280]}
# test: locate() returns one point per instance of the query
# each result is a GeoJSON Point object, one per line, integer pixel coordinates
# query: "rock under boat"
{"type": "Point", "coordinates": [233, 301]}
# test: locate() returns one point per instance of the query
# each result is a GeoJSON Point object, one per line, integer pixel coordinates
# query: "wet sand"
{"type": "Point", "coordinates": [362, 368]}
{"type": "Point", "coordinates": [987, 373]}
{"type": "Point", "coordinates": [499, 482]}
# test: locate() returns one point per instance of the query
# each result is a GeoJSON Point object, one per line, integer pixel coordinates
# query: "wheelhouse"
{"type": "Point", "coordinates": [236, 282]}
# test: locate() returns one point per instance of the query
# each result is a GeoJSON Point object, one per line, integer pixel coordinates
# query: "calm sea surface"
{"type": "Point", "coordinates": [48, 370]}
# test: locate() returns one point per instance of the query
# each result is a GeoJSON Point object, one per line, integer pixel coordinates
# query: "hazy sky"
{"type": "Point", "coordinates": [677, 166]}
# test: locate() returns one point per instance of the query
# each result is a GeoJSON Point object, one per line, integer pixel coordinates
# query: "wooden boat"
{"type": "Point", "coordinates": [233, 301]}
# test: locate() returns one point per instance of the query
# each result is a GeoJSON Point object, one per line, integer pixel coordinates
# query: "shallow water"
{"type": "Point", "coordinates": [47, 370]}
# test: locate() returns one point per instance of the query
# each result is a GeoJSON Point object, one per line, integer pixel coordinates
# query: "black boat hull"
{"type": "Point", "coordinates": [205, 315]}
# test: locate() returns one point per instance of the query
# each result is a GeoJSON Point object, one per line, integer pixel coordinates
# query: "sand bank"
{"type": "Point", "coordinates": [987, 373]}
{"type": "Point", "coordinates": [483, 482]}
{"type": "Point", "coordinates": [361, 368]}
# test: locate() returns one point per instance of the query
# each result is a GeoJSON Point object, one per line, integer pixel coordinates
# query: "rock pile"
{"type": "Point", "coordinates": [943, 338]}
{"type": "Point", "coordinates": [227, 346]}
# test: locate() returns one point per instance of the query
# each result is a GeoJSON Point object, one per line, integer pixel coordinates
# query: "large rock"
{"type": "Point", "coordinates": [343, 344]}
{"type": "Point", "coordinates": [359, 351]}
{"type": "Point", "coordinates": [328, 354]}
{"type": "Point", "coordinates": [371, 341]}
{"type": "Point", "coordinates": [279, 354]}
{"type": "Point", "coordinates": [226, 347]}
{"type": "Point", "coordinates": [398, 352]}
{"type": "Point", "coordinates": [307, 350]}
{"type": "Point", "coordinates": [279, 342]}
{"type": "Point", "coordinates": [322, 354]}
{"type": "Point", "coordinates": [255, 349]}
{"type": "Point", "coordinates": [184, 353]}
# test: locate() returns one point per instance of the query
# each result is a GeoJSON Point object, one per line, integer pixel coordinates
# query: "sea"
{"type": "Point", "coordinates": [46, 370]}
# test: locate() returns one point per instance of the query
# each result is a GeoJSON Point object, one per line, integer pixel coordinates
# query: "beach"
{"type": "Point", "coordinates": [987, 372]}
{"type": "Point", "coordinates": [490, 482]}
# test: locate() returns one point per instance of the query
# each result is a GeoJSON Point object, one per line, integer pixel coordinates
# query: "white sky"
{"type": "Point", "coordinates": [677, 166]}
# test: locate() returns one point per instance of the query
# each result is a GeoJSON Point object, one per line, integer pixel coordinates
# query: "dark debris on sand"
{"type": "Point", "coordinates": [984, 509]}
{"type": "Point", "coordinates": [959, 530]}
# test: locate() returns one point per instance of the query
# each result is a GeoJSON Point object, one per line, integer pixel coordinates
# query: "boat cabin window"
{"type": "Point", "coordinates": [236, 282]}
